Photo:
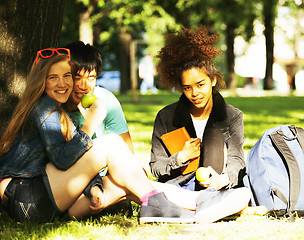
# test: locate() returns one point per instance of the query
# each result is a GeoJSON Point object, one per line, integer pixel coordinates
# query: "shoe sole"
{"type": "Point", "coordinates": [165, 220]}
{"type": "Point", "coordinates": [231, 204]}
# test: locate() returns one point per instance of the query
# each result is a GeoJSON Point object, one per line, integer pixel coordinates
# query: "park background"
{"type": "Point", "coordinates": [262, 42]}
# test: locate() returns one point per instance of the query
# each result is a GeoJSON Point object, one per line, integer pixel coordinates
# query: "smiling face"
{"type": "Point", "coordinates": [197, 87]}
{"type": "Point", "coordinates": [59, 82]}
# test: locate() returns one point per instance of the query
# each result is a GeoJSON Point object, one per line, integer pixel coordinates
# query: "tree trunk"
{"type": "Point", "coordinates": [230, 36]}
{"type": "Point", "coordinates": [124, 61]}
{"type": "Point", "coordinates": [26, 26]}
{"type": "Point", "coordinates": [269, 12]}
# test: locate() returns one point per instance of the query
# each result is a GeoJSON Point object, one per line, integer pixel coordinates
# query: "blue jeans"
{"type": "Point", "coordinates": [29, 200]}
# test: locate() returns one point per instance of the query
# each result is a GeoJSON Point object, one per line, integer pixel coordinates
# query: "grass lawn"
{"type": "Point", "coordinates": [260, 113]}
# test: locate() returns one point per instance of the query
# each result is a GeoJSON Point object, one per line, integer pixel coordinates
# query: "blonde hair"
{"type": "Point", "coordinates": [35, 87]}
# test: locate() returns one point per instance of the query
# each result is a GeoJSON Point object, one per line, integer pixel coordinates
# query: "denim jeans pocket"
{"type": "Point", "coordinates": [25, 211]}
{"type": "Point", "coordinates": [29, 201]}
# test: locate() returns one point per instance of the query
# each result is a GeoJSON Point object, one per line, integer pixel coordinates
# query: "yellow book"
{"type": "Point", "coordinates": [175, 141]}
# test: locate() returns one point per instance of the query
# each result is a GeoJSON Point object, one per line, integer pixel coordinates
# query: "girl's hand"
{"type": "Point", "coordinates": [191, 149]}
{"type": "Point", "coordinates": [93, 116]}
{"type": "Point", "coordinates": [217, 181]}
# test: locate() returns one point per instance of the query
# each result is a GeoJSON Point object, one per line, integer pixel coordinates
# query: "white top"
{"type": "Point", "coordinates": [199, 126]}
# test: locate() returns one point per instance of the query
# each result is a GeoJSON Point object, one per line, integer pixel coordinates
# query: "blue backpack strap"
{"type": "Point", "coordinates": [293, 167]}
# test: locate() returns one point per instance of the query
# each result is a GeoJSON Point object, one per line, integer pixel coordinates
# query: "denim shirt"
{"type": "Point", "coordinates": [43, 142]}
{"type": "Point", "coordinates": [226, 118]}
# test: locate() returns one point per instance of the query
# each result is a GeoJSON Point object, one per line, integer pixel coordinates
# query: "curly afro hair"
{"type": "Point", "coordinates": [187, 49]}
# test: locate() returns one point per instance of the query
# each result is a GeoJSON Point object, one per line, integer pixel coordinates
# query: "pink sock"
{"type": "Point", "coordinates": [144, 198]}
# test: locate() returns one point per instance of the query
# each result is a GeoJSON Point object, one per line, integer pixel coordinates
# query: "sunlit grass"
{"type": "Point", "coordinates": [260, 114]}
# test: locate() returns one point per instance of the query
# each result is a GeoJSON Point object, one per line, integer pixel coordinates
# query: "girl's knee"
{"type": "Point", "coordinates": [108, 138]}
{"type": "Point", "coordinates": [110, 142]}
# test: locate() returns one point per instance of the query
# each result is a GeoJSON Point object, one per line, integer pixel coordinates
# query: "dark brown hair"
{"type": "Point", "coordinates": [184, 50]}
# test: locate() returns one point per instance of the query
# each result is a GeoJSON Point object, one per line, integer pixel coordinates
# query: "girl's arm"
{"type": "Point", "coordinates": [162, 163]}
{"type": "Point", "coordinates": [61, 153]}
{"type": "Point", "coordinates": [235, 159]}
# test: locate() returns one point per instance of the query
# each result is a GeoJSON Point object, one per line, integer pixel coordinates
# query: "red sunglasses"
{"type": "Point", "coordinates": [49, 52]}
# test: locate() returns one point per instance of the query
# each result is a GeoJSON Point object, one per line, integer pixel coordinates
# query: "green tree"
{"type": "Point", "coordinates": [237, 16]}
{"type": "Point", "coordinates": [116, 25]}
{"type": "Point", "coordinates": [229, 17]}
{"type": "Point", "coordinates": [123, 22]}
{"type": "Point", "coordinates": [26, 26]}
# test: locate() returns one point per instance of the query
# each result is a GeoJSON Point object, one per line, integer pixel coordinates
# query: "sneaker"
{"type": "Point", "coordinates": [160, 209]}
{"type": "Point", "coordinates": [214, 205]}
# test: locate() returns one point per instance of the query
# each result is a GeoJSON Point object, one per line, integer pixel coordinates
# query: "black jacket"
{"type": "Point", "coordinates": [226, 118]}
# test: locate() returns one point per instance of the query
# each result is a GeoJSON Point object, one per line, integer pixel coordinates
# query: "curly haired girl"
{"type": "Point", "coordinates": [216, 128]}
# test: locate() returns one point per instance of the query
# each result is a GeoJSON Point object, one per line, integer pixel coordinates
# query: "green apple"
{"type": "Point", "coordinates": [87, 100]}
{"type": "Point", "coordinates": [203, 174]}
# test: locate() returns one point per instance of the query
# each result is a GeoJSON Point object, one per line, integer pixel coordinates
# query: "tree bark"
{"type": "Point", "coordinates": [124, 61]}
{"type": "Point", "coordinates": [269, 12]}
{"type": "Point", "coordinates": [26, 26]}
{"type": "Point", "coordinates": [230, 36]}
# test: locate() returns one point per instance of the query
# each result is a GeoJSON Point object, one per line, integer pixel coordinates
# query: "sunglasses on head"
{"type": "Point", "coordinates": [49, 52]}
